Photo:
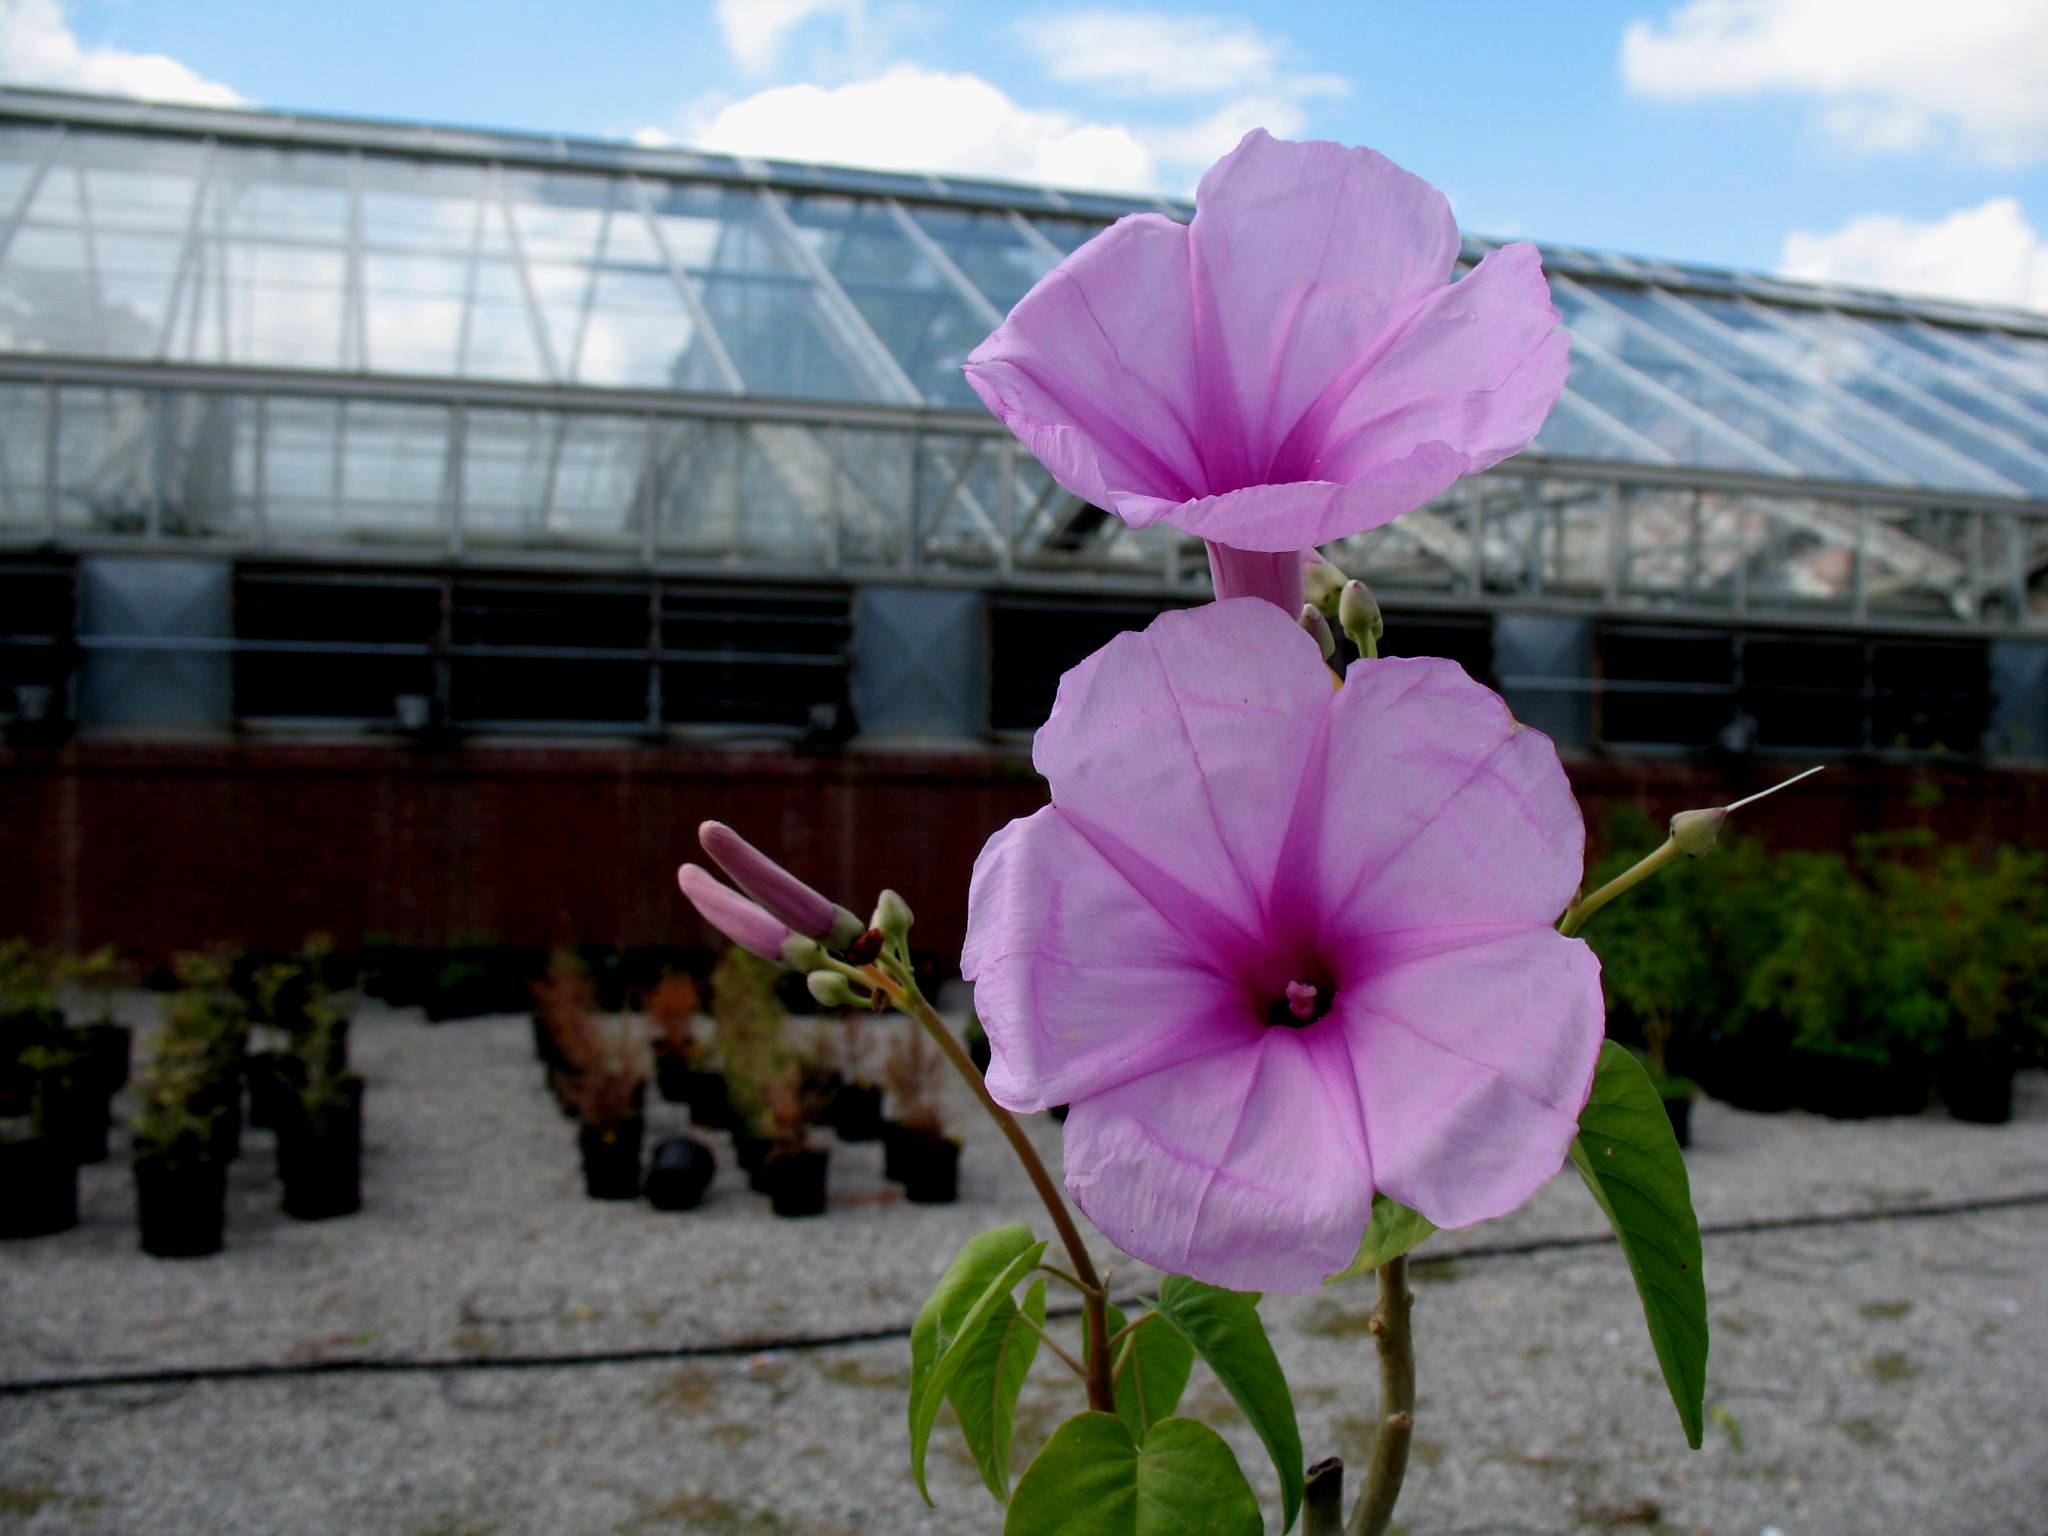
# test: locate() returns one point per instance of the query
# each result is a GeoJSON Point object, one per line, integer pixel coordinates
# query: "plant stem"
{"type": "Point", "coordinates": [1101, 1391]}
{"type": "Point", "coordinates": [1389, 1464]}
{"type": "Point", "coordinates": [1130, 1328]}
{"type": "Point", "coordinates": [1576, 914]}
{"type": "Point", "coordinates": [1050, 1343]}
{"type": "Point", "coordinates": [1322, 1503]}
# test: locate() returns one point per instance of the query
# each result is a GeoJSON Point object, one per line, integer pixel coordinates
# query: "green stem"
{"type": "Point", "coordinates": [1576, 914]}
{"type": "Point", "coordinates": [1050, 1343]}
{"type": "Point", "coordinates": [1322, 1503]}
{"type": "Point", "coordinates": [904, 994]}
{"type": "Point", "coordinates": [1396, 1343]}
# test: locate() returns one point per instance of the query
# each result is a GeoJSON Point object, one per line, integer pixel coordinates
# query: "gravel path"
{"type": "Point", "coordinates": [1876, 1376]}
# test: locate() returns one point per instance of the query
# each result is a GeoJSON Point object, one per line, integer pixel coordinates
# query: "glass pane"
{"type": "Point", "coordinates": [1547, 535]}
{"type": "Point", "coordinates": [1690, 437]}
{"type": "Point", "coordinates": [1068, 234]}
{"type": "Point", "coordinates": [2002, 364]}
{"type": "Point", "coordinates": [504, 482]}
{"type": "Point", "coordinates": [340, 468]}
{"type": "Point", "coordinates": [207, 463]}
{"type": "Point", "coordinates": [22, 422]}
{"type": "Point", "coordinates": [744, 490]}
{"type": "Point", "coordinates": [959, 500]}
{"type": "Point", "coordinates": [104, 460]}
{"type": "Point", "coordinates": [1576, 429]}
{"type": "Point", "coordinates": [782, 338]}
{"type": "Point", "coordinates": [1801, 339]}
{"type": "Point", "coordinates": [697, 506]}
{"type": "Point", "coordinates": [904, 297]}
{"type": "Point", "coordinates": [874, 496]}
{"type": "Point", "coordinates": [1786, 446]}
{"type": "Point", "coordinates": [597, 466]}
{"type": "Point", "coordinates": [989, 249]}
{"type": "Point", "coordinates": [1979, 388]}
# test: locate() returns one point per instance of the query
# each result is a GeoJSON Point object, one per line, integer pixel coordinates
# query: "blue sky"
{"type": "Point", "coordinates": [1888, 141]}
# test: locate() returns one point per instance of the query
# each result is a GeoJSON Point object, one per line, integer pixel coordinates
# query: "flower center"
{"type": "Point", "coordinates": [1302, 1004]}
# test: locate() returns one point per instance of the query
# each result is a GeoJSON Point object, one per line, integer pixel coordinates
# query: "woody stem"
{"type": "Point", "coordinates": [1396, 1343]}
{"type": "Point", "coordinates": [1095, 1309]}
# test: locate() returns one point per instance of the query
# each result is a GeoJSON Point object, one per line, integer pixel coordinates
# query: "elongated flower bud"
{"type": "Point", "coordinates": [1361, 617]}
{"type": "Point", "coordinates": [1321, 584]}
{"type": "Point", "coordinates": [775, 888]}
{"type": "Point", "coordinates": [831, 990]}
{"type": "Point", "coordinates": [756, 931]}
{"type": "Point", "coordinates": [1697, 831]}
{"type": "Point", "coordinates": [892, 916]}
{"type": "Point", "coordinates": [1313, 621]}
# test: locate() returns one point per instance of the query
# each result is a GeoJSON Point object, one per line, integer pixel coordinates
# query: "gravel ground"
{"type": "Point", "coordinates": [1884, 1375]}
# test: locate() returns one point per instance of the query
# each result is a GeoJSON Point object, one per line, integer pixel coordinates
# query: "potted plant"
{"type": "Point", "coordinates": [320, 1123]}
{"type": "Point", "coordinates": [793, 1171]}
{"type": "Point", "coordinates": [916, 1150]}
{"type": "Point", "coordinates": [855, 1111]}
{"type": "Point", "coordinates": [180, 1174]}
{"type": "Point", "coordinates": [563, 1000]}
{"type": "Point", "coordinates": [29, 1017]}
{"type": "Point", "coordinates": [753, 1049]}
{"type": "Point", "coordinates": [73, 1109]}
{"type": "Point", "coordinates": [671, 1009]}
{"type": "Point", "coordinates": [38, 1183]}
{"type": "Point", "coordinates": [605, 1088]}
{"type": "Point", "coordinates": [106, 1042]}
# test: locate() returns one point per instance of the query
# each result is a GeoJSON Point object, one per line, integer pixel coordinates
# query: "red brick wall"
{"type": "Point", "coordinates": [162, 845]}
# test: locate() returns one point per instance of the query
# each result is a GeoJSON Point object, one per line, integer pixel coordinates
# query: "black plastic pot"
{"type": "Point", "coordinates": [710, 1102]}
{"type": "Point", "coordinates": [1856, 1085]}
{"type": "Point", "coordinates": [794, 1180]}
{"type": "Point", "coordinates": [931, 1170]}
{"type": "Point", "coordinates": [20, 1032]}
{"type": "Point", "coordinates": [1752, 1074]}
{"type": "Point", "coordinates": [895, 1141]}
{"type": "Point", "coordinates": [1679, 1112]}
{"type": "Point", "coordinates": [751, 1152]}
{"type": "Point", "coordinates": [38, 1187]}
{"type": "Point", "coordinates": [107, 1049]}
{"type": "Point", "coordinates": [274, 1079]}
{"type": "Point", "coordinates": [857, 1112]}
{"type": "Point", "coordinates": [1977, 1086]}
{"type": "Point", "coordinates": [320, 1157]}
{"type": "Point", "coordinates": [822, 1088]}
{"type": "Point", "coordinates": [181, 1207]}
{"type": "Point", "coordinates": [611, 1161]}
{"type": "Point", "coordinates": [674, 1078]}
{"type": "Point", "coordinates": [679, 1174]}
{"type": "Point", "coordinates": [76, 1112]}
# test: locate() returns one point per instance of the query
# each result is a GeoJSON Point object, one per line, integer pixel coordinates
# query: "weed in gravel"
{"type": "Point", "coordinates": [1893, 1365]}
{"type": "Point", "coordinates": [851, 1373]}
{"type": "Point", "coordinates": [1885, 1311]}
{"type": "Point", "coordinates": [687, 1391]}
{"type": "Point", "coordinates": [706, 1514]}
{"type": "Point", "coordinates": [1866, 1431]}
{"type": "Point", "coordinates": [1337, 1323]}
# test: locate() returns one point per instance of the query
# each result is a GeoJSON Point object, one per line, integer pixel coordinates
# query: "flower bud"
{"type": "Point", "coordinates": [775, 888]}
{"type": "Point", "coordinates": [802, 954]}
{"type": "Point", "coordinates": [1360, 617]}
{"type": "Point", "coordinates": [754, 930]}
{"type": "Point", "coordinates": [892, 916]}
{"type": "Point", "coordinates": [831, 990]}
{"type": "Point", "coordinates": [1321, 584]}
{"type": "Point", "coordinates": [1313, 621]}
{"type": "Point", "coordinates": [1697, 831]}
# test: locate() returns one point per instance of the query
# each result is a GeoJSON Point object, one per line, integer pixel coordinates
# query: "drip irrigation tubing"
{"type": "Point", "coordinates": [182, 1376]}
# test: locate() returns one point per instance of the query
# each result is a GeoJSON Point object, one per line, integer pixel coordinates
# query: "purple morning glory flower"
{"type": "Point", "coordinates": [1281, 946]}
{"type": "Point", "coordinates": [1292, 367]}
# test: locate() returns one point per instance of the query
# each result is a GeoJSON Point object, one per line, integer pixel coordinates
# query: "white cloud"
{"type": "Point", "coordinates": [1891, 75]}
{"type": "Point", "coordinates": [755, 30]}
{"type": "Point", "coordinates": [914, 119]}
{"type": "Point", "coordinates": [37, 47]}
{"type": "Point", "coordinates": [1148, 53]}
{"type": "Point", "coordinates": [1988, 254]}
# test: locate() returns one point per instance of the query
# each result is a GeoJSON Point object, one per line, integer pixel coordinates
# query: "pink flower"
{"type": "Point", "coordinates": [1281, 946]}
{"type": "Point", "coordinates": [776, 889]}
{"type": "Point", "coordinates": [747, 925]}
{"type": "Point", "coordinates": [1292, 367]}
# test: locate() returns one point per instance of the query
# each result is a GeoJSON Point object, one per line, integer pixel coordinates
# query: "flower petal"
{"type": "Point", "coordinates": [1472, 1064]}
{"type": "Point", "coordinates": [1080, 983]}
{"type": "Point", "coordinates": [1475, 368]}
{"type": "Point", "coordinates": [1304, 258]}
{"type": "Point", "coordinates": [1437, 808]}
{"type": "Point", "coordinates": [1178, 752]}
{"type": "Point", "coordinates": [1245, 1168]}
{"type": "Point", "coordinates": [1094, 368]}
{"type": "Point", "coordinates": [1274, 576]}
{"type": "Point", "coordinates": [1277, 517]}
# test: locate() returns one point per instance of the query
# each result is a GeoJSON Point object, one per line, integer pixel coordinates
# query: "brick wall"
{"type": "Point", "coordinates": [162, 845]}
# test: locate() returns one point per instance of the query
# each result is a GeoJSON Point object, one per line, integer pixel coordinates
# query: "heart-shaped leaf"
{"type": "Point", "coordinates": [981, 1276]}
{"type": "Point", "coordinates": [1393, 1231]}
{"type": "Point", "coordinates": [1095, 1479]}
{"type": "Point", "coordinates": [985, 1390]}
{"type": "Point", "coordinates": [1629, 1158]}
{"type": "Point", "coordinates": [1225, 1329]}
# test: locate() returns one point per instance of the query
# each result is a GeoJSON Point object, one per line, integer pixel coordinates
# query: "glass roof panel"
{"type": "Point", "coordinates": [1068, 234]}
{"type": "Point", "coordinates": [1785, 444]}
{"type": "Point", "coordinates": [2024, 356]}
{"type": "Point", "coordinates": [1576, 429]}
{"type": "Point", "coordinates": [996, 256]}
{"type": "Point", "coordinates": [925, 323]}
{"type": "Point", "coordinates": [1806, 339]}
{"type": "Point", "coordinates": [1688, 436]}
{"type": "Point", "coordinates": [1972, 392]}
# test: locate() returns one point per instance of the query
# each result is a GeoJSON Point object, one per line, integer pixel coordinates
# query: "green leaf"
{"type": "Point", "coordinates": [985, 1391]}
{"type": "Point", "coordinates": [1154, 1375]}
{"type": "Point", "coordinates": [1393, 1231]}
{"type": "Point", "coordinates": [1630, 1160]}
{"type": "Point", "coordinates": [981, 1275]}
{"type": "Point", "coordinates": [1094, 1479]}
{"type": "Point", "coordinates": [1225, 1329]}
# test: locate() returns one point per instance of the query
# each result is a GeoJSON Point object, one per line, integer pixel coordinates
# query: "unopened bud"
{"type": "Point", "coordinates": [1313, 621]}
{"type": "Point", "coordinates": [892, 917]}
{"type": "Point", "coordinates": [1321, 584]}
{"type": "Point", "coordinates": [802, 954]}
{"type": "Point", "coordinates": [1360, 617]}
{"type": "Point", "coordinates": [831, 990]}
{"type": "Point", "coordinates": [1697, 831]}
